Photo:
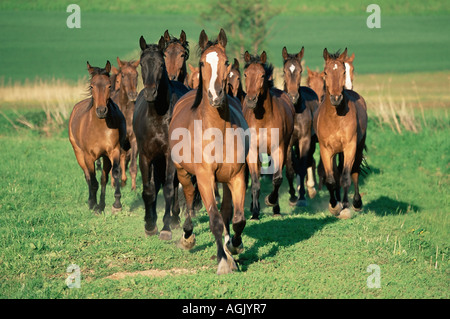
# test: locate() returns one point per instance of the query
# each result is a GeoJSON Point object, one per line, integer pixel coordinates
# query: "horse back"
{"type": "Point", "coordinates": [360, 109]}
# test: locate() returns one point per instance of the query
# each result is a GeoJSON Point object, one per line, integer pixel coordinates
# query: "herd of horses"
{"type": "Point", "coordinates": [119, 125]}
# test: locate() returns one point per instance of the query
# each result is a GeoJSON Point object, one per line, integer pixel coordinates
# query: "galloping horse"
{"type": "Point", "coordinates": [175, 55]}
{"type": "Point", "coordinates": [125, 97]}
{"type": "Point", "coordinates": [303, 138]}
{"type": "Point", "coordinates": [340, 124]}
{"type": "Point", "coordinates": [266, 109]}
{"type": "Point", "coordinates": [198, 113]}
{"type": "Point", "coordinates": [152, 114]}
{"type": "Point", "coordinates": [234, 82]}
{"type": "Point", "coordinates": [97, 129]}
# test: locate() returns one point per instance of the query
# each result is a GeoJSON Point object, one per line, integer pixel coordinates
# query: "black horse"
{"type": "Point", "coordinates": [152, 115]}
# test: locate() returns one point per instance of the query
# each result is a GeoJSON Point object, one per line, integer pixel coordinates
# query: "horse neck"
{"type": "Point", "coordinates": [212, 116]}
{"type": "Point", "coordinates": [123, 96]}
{"type": "Point", "coordinates": [340, 110]}
{"type": "Point", "coordinates": [162, 102]}
{"type": "Point", "coordinates": [183, 73]}
{"type": "Point", "coordinates": [265, 102]}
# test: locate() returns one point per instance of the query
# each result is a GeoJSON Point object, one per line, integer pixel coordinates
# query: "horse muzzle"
{"type": "Point", "coordinates": [336, 99]}
{"type": "Point", "coordinates": [132, 96]}
{"type": "Point", "coordinates": [218, 100]}
{"type": "Point", "coordinates": [150, 94]}
{"type": "Point", "coordinates": [101, 112]}
{"type": "Point", "coordinates": [293, 97]}
{"type": "Point", "coordinates": [250, 101]}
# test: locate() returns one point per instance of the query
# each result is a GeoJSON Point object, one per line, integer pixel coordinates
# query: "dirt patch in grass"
{"type": "Point", "coordinates": [151, 273]}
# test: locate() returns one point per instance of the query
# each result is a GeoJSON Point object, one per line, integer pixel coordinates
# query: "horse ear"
{"type": "Point", "coordinates": [285, 54]}
{"type": "Point", "coordinates": [89, 67]}
{"type": "Point", "coordinates": [108, 66]}
{"type": "Point", "coordinates": [183, 37]}
{"type": "Point", "coordinates": [222, 38]}
{"type": "Point", "coordinates": [300, 54]}
{"type": "Point", "coordinates": [247, 56]}
{"type": "Point", "coordinates": [351, 58]}
{"type": "Point", "coordinates": [263, 57]}
{"type": "Point", "coordinates": [343, 56]}
{"type": "Point", "coordinates": [119, 63]}
{"type": "Point", "coordinates": [142, 43]}
{"type": "Point", "coordinates": [322, 75]}
{"type": "Point", "coordinates": [136, 63]}
{"type": "Point", "coordinates": [236, 64]}
{"type": "Point", "coordinates": [202, 40]}
{"type": "Point", "coordinates": [191, 68]}
{"type": "Point", "coordinates": [308, 69]}
{"type": "Point", "coordinates": [167, 36]}
{"type": "Point", "coordinates": [161, 44]}
{"type": "Point", "coordinates": [325, 54]}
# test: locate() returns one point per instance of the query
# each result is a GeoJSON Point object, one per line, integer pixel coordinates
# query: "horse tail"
{"type": "Point", "coordinates": [364, 167]}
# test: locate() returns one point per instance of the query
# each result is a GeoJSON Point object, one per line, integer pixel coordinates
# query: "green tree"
{"type": "Point", "coordinates": [245, 23]}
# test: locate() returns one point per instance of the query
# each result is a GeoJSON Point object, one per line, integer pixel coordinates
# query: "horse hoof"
{"type": "Point", "coordinates": [345, 214]}
{"type": "Point", "coordinates": [115, 210]}
{"type": "Point", "coordinates": [277, 215]}
{"type": "Point", "coordinates": [165, 235]}
{"type": "Point", "coordinates": [357, 209]}
{"type": "Point", "coordinates": [312, 192]}
{"type": "Point", "coordinates": [255, 217]}
{"type": "Point", "coordinates": [293, 201]}
{"type": "Point", "coordinates": [336, 210]}
{"type": "Point", "coordinates": [268, 203]}
{"type": "Point", "coordinates": [235, 250]}
{"type": "Point", "coordinates": [187, 243]}
{"type": "Point", "coordinates": [302, 203]}
{"type": "Point", "coordinates": [226, 267]}
{"type": "Point", "coordinates": [151, 232]}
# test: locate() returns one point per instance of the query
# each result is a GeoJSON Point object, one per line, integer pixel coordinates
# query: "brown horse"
{"type": "Point", "coordinates": [234, 82]}
{"type": "Point", "coordinates": [97, 128]}
{"type": "Point", "coordinates": [152, 114]}
{"type": "Point", "coordinates": [270, 113]}
{"type": "Point", "coordinates": [194, 77]}
{"type": "Point", "coordinates": [125, 97]}
{"type": "Point", "coordinates": [341, 124]}
{"type": "Point", "coordinates": [208, 109]}
{"type": "Point", "coordinates": [316, 82]}
{"type": "Point", "coordinates": [175, 55]}
{"type": "Point", "coordinates": [303, 139]}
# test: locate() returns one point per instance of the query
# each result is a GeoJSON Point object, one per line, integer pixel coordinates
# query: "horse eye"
{"type": "Point", "coordinates": [201, 63]}
{"type": "Point", "coordinates": [183, 55]}
{"type": "Point", "coordinates": [227, 63]}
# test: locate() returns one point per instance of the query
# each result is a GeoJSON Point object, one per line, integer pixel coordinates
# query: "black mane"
{"type": "Point", "coordinates": [268, 68]}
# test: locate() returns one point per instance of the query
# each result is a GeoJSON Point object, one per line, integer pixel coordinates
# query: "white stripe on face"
{"type": "Point", "coordinates": [213, 59]}
{"type": "Point", "coordinates": [292, 68]}
{"type": "Point", "coordinates": [348, 80]}
{"type": "Point", "coordinates": [335, 67]}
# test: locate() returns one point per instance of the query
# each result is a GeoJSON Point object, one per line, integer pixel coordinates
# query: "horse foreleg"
{"type": "Point", "coordinates": [271, 200]}
{"type": "Point", "coordinates": [303, 146]}
{"type": "Point", "coordinates": [188, 238]}
{"type": "Point", "coordinates": [290, 174]}
{"type": "Point", "coordinates": [237, 192]}
{"type": "Point", "coordinates": [168, 190]}
{"type": "Point", "coordinates": [89, 174]}
{"type": "Point", "coordinates": [148, 195]}
{"type": "Point", "coordinates": [133, 163]}
{"type": "Point", "coordinates": [116, 172]}
{"type": "Point", "coordinates": [311, 168]}
{"type": "Point", "coordinates": [327, 158]}
{"type": "Point", "coordinates": [205, 181]}
{"type": "Point", "coordinates": [255, 173]}
{"type": "Point", "coordinates": [104, 180]}
{"type": "Point", "coordinates": [357, 201]}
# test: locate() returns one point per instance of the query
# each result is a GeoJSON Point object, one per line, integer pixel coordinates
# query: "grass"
{"type": "Point", "coordinates": [45, 226]}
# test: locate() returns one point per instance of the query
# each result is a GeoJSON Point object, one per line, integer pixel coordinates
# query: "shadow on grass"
{"type": "Point", "coordinates": [276, 234]}
{"type": "Point", "coordinates": [384, 206]}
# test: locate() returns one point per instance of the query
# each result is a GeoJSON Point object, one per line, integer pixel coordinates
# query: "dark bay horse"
{"type": "Point", "coordinates": [204, 113]}
{"type": "Point", "coordinates": [270, 113]}
{"type": "Point", "coordinates": [125, 97]}
{"type": "Point", "coordinates": [303, 138]}
{"type": "Point", "coordinates": [97, 129]}
{"type": "Point", "coordinates": [234, 82]}
{"type": "Point", "coordinates": [152, 114]}
{"type": "Point", "coordinates": [175, 55]}
{"type": "Point", "coordinates": [340, 124]}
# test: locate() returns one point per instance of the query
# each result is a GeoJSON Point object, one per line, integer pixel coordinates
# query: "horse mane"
{"type": "Point", "coordinates": [335, 55]}
{"type": "Point", "coordinates": [268, 68]}
{"type": "Point", "coordinates": [185, 45]}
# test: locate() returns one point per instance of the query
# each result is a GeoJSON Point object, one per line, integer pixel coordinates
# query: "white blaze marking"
{"type": "Point", "coordinates": [335, 67]}
{"type": "Point", "coordinates": [292, 68]}
{"type": "Point", "coordinates": [231, 74]}
{"type": "Point", "coordinates": [213, 59]}
{"type": "Point", "coordinates": [348, 80]}
{"type": "Point", "coordinates": [310, 180]}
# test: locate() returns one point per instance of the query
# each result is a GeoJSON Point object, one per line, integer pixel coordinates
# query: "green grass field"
{"type": "Point", "coordinates": [402, 70]}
